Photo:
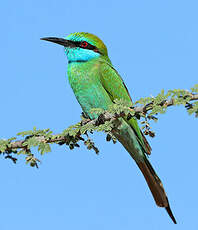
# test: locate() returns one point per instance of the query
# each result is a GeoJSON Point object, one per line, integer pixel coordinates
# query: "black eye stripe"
{"type": "Point", "coordinates": [88, 47]}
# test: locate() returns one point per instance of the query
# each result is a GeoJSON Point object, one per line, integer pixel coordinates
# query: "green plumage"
{"type": "Point", "coordinates": [96, 84]}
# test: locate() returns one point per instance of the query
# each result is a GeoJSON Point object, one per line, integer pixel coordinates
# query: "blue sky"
{"type": "Point", "coordinates": [153, 45]}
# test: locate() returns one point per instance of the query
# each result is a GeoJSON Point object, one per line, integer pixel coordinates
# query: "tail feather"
{"type": "Point", "coordinates": [127, 137]}
{"type": "Point", "coordinates": [155, 186]}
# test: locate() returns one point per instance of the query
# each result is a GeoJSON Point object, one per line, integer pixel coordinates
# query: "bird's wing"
{"type": "Point", "coordinates": [116, 88]}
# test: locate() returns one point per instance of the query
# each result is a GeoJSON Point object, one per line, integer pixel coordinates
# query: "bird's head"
{"type": "Point", "coordinates": [81, 46]}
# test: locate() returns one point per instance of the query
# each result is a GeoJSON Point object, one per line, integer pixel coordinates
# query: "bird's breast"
{"type": "Point", "coordinates": [85, 82]}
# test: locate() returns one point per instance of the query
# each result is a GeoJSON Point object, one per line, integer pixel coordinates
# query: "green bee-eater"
{"type": "Point", "coordinates": [96, 84]}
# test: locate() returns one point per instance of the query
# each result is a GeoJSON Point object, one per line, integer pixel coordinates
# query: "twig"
{"type": "Point", "coordinates": [106, 116]}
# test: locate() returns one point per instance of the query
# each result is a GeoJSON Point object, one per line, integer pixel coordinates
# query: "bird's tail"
{"type": "Point", "coordinates": [125, 134]}
{"type": "Point", "coordinates": [155, 186]}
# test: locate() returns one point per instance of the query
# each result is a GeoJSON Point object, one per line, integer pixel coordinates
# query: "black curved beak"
{"type": "Point", "coordinates": [60, 41]}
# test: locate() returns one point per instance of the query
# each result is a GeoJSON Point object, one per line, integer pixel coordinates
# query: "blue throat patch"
{"type": "Point", "coordinates": [79, 54]}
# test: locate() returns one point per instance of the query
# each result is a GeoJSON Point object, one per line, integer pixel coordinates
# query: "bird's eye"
{"type": "Point", "coordinates": [84, 44]}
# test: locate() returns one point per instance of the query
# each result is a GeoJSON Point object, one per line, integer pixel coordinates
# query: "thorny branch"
{"type": "Point", "coordinates": [106, 116]}
{"type": "Point", "coordinates": [144, 109]}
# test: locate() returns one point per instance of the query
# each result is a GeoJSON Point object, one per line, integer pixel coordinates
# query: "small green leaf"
{"type": "Point", "coordinates": [44, 148]}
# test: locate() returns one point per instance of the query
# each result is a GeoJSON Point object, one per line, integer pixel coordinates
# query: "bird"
{"type": "Point", "coordinates": [96, 84]}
